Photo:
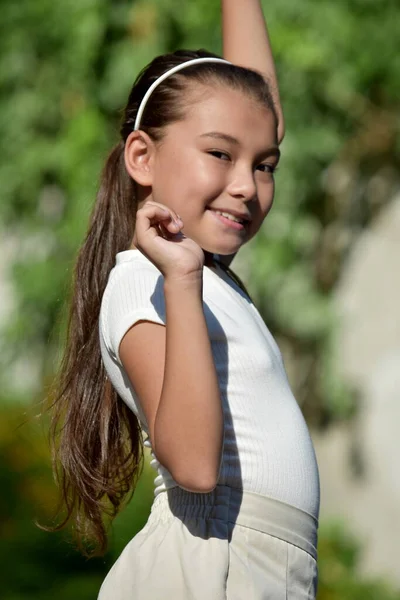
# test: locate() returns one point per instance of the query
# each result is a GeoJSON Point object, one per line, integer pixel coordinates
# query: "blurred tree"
{"type": "Point", "coordinates": [36, 564]}
{"type": "Point", "coordinates": [65, 73]}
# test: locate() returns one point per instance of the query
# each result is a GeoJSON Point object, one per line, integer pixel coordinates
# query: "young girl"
{"type": "Point", "coordinates": [164, 339]}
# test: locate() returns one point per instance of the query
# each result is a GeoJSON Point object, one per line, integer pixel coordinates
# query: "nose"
{"type": "Point", "coordinates": [242, 184]}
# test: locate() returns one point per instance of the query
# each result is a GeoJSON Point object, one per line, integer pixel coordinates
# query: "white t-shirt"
{"type": "Point", "coordinates": [267, 446]}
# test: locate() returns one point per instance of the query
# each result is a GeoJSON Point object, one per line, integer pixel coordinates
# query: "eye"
{"type": "Point", "coordinates": [219, 154]}
{"type": "Point", "coordinates": [267, 168]}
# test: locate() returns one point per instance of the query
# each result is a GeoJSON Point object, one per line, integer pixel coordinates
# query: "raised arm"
{"type": "Point", "coordinates": [246, 43]}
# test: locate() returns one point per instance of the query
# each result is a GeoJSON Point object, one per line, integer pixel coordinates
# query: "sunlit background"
{"type": "Point", "coordinates": [324, 270]}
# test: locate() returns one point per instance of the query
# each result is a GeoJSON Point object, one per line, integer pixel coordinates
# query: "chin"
{"type": "Point", "coordinates": [230, 247]}
{"type": "Point", "coordinates": [228, 250]}
{"type": "Point", "coordinates": [222, 251]}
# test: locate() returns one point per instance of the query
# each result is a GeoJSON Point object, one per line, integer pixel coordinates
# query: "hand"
{"type": "Point", "coordinates": [159, 237]}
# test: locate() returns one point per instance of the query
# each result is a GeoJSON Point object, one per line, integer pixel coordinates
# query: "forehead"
{"type": "Point", "coordinates": [230, 111]}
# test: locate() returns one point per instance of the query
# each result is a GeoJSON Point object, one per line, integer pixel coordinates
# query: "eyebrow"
{"type": "Point", "coordinates": [221, 136]}
{"type": "Point", "coordinates": [218, 135]}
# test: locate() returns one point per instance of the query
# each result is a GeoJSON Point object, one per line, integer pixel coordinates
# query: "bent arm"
{"type": "Point", "coordinates": [173, 372]}
{"type": "Point", "coordinates": [189, 423]}
{"type": "Point", "coordinates": [246, 43]}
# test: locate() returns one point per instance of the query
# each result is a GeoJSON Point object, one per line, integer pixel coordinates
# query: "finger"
{"type": "Point", "coordinates": [169, 224]}
{"type": "Point", "coordinates": [149, 216]}
{"type": "Point", "coordinates": [172, 214]}
{"type": "Point", "coordinates": [169, 230]}
{"type": "Point", "coordinates": [156, 222]}
{"type": "Point", "coordinates": [172, 226]}
{"type": "Point", "coordinates": [151, 211]}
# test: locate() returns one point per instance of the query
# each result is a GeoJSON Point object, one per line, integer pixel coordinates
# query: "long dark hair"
{"type": "Point", "coordinates": [96, 440]}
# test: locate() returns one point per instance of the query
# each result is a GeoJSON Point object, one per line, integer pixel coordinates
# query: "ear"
{"type": "Point", "coordinates": [139, 154]}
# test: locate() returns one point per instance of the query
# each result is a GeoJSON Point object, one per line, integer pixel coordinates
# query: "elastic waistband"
{"type": "Point", "coordinates": [247, 509]}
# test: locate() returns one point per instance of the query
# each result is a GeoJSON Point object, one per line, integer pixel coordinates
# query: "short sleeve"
{"type": "Point", "coordinates": [135, 292]}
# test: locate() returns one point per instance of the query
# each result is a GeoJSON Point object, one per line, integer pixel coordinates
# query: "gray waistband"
{"type": "Point", "coordinates": [247, 509]}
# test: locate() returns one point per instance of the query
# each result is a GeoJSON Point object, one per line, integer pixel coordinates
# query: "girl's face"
{"type": "Point", "coordinates": [219, 158]}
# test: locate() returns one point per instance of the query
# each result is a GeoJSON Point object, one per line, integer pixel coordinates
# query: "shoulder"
{"type": "Point", "coordinates": [132, 270]}
{"type": "Point", "coordinates": [134, 292]}
{"type": "Point", "coordinates": [133, 261]}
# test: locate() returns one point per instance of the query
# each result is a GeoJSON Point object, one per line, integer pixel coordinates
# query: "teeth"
{"type": "Point", "coordinates": [229, 216]}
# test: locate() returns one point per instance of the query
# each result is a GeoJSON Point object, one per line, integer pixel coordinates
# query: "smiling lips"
{"type": "Point", "coordinates": [236, 221]}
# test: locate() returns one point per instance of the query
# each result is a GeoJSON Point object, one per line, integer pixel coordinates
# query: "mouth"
{"type": "Point", "coordinates": [230, 220]}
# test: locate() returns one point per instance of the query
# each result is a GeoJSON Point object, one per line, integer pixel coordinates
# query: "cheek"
{"type": "Point", "coordinates": [187, 180]}
{"type": "Point", "coordinates": [167, 182]}
{"type": "Point", "coordinates": [267, 207]}
{"type": "Point", "coordinates": [203, 169]}
{"type": "Point", "coordinates": [201, 180]}
{"type": "Point", "coordinates": [263, 209]}
{"type": "Point", "coordinates": [214, 179]}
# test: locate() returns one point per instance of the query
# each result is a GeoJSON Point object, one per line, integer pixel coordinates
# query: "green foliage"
{"type": "Point", "coordinates": [339, 556]}
{"type": "Point", "coordinates": [65, 72]}
{"type": "Point", "coordinates": [66, 69]}
{"type": "Point", "coordinates": [37, 564]}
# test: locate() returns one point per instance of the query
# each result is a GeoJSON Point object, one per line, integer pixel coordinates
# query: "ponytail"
{"type": "Point", "coordinates": [110, 230]}
{"type": "Point", "coordinates": [96, 440]}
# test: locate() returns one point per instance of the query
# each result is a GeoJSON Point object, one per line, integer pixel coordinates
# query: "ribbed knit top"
{"type": "Point", "coordinates": [267, 446]}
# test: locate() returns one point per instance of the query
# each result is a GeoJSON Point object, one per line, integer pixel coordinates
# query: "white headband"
{"type": "Point", "coordinates": [183, 65]}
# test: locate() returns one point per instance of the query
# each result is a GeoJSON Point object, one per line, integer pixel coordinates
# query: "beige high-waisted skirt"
{"type": "Point", "coordinates": [225, 544]}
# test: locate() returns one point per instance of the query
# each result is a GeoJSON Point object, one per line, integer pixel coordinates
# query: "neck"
{"type": "Point", "coordinates": [208, 259]}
